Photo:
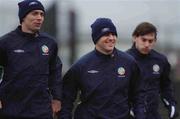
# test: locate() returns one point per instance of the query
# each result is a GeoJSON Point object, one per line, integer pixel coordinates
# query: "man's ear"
{"type": "Point", "coordinates": [155, 40]}
{"type": "Point", "coordinates": [134, 38]}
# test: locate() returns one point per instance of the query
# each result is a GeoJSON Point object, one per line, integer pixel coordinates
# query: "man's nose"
{"type": "Point", "coordinates": [147, 44]}
{"type": "Point", "coordinates": [39, 16]}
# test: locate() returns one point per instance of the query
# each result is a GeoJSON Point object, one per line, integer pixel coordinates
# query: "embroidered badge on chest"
{"type": "Point", "coordinates": [45, 50]}
{"type": "Point", "coordinates": [156, 69]}
{"type": "Point", "coordinates": [121, 72]}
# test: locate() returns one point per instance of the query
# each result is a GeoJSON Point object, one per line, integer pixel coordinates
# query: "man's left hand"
{"type": "Point", "coordinates": [56, 106]}
{"type": "Point", "coordinates": [172, 112]}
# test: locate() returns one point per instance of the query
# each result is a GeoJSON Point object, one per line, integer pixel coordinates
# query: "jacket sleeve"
{"type": "Point", "coordinates": [3, 57]}
{"type": "Point", "coordinates": [55, 80]}
{"type": "Point", "coordinates": [167, 91]}
{"type": "Point", "coordinates": [136, 93]}
{"type": "Point", "coordinates": [70, 90]}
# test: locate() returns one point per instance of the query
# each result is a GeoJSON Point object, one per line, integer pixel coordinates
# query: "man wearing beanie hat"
{"type": "Point", "coordinates": [27, 6]}
{"type": "Point", "coordinates": [106, 78]}
{"type": "Point", "coordinates": [31, 84]}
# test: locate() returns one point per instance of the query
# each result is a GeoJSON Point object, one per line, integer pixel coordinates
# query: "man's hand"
{"type": "Point", "coordinates": [172, 112]}
{"type": "Point", "coordinates": [132, 116]}
{"type": "Point", "coordinates": [56, 106]}
{"type": "Point", "coordinates": [172, 109]}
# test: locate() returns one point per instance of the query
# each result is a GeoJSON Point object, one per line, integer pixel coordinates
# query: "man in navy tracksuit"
{"type": "Point", "coordinates": [105, 77]}
{"type": "Point", "coordinates": [155, 70]}
{"type": "Point", "coordinates": [31, 85]}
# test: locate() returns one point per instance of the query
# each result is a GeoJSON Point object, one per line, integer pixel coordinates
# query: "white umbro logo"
{"type": "Point", "coordinates": [105, 30]}
{"type": "Point", "coordinates": [19, 51]}
{"type": "Point", "coordinates": [33, 3]}
{"type": "Point", "coordinates": [92, 71]}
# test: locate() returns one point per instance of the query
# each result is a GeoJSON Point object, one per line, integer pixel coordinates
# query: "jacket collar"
{"type": "Point", "coordinates": [30, 35]}
{"type": "Point", "coordinates": [138, 53]}
{"type": "Point", "coordinates": [112, 55]}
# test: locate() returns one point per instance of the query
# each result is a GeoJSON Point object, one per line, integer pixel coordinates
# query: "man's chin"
{"type": "Point", "coordinates": [145, 52]}
{"type": "Point", "coordinates": [109, 50]}
{"type": "Point", "coordinates": [36, 29]}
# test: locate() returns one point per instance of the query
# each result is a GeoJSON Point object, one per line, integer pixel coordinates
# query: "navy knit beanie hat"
{"type": "Point", "coordinates": [102, 26]}
{"type": "Point", "coordinates": [27, 6]}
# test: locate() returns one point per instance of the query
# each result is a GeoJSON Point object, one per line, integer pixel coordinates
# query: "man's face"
{"type": "Point", "coordinates": [32, 21]}
{"type": "Point", "coordinates": [106, 43]}
{"type": "Point", "coordinates": [145, 43]}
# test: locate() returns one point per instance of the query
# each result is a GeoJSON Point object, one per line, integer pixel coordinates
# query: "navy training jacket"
{"type": "Point", "coordinates": [107, 85]}
{"type": "Point", "coordinates": [32, 74]}
{"type": "Point", "coordinates": [155, 82]}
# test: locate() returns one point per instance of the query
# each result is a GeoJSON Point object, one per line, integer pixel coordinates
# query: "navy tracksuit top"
{"type": "Point", "coordinates": [32, 74]}
{"type": "Point", "coordinates": [107, 85]}
{"type": "Point", "coordinates": [155, 82]}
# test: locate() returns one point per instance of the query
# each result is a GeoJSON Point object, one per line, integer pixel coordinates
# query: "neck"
{"type": "Point", "coordinates": [26, 30]}
{"type": "Point", "coordinates": [104, 52]}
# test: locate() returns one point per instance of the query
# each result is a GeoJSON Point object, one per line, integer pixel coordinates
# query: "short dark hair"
{"type": "Point", "coordinates": [144, 28]}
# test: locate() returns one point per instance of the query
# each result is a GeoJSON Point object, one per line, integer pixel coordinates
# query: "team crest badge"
{"type": "Point", "coordinates": [45, 50]}
{"type": "Point", "coordinates": [121, 72]}
{"type": "Point", "coordinates": [156, 68]}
